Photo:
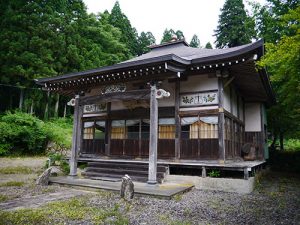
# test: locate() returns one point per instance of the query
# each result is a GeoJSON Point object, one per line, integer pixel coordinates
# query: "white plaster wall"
{"type": "Point", "coordinates": [170, 101]}
{"type": "Point", "coordinates": [252, 117]}
{"type": "Point", "coordinates": [199, 83]}
{"type": "Point", "coordinates": [198, 108]}
{"type": "Point", "coordinates": [227, 99]}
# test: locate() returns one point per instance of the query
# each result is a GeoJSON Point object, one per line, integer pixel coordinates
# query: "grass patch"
{"type": "Point", "coordinates": [16, 170]}
{"type": "Point", "coordinates": [3, 198]}
{"type": "Point", "coordinates": [76, 209]}
{"type": "Point", "coordinates": [178, 197]}
{"type": "Point", "coordinates": [12, 184]}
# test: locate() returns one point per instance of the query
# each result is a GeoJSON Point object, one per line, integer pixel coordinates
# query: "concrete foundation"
{"type": "Point", "coordinates": [218, 184]}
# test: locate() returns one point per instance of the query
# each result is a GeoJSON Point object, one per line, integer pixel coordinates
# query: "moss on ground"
{"type": "Point", "coordinates": [16, 170]}
{"type": "Point", "coordinates": [62, 212]}
{"type": "Point", "coordinates": [3, 198]}
{"type": "Point", "coordinates": [12, 184]}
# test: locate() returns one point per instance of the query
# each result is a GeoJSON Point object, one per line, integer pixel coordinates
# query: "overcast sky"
{"type": "Point", "coordinates": [198, 17]}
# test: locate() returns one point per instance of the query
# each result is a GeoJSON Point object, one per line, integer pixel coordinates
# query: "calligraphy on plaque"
{"type": "Point", "coordinates": [113, 88]}
{"type": "Point", "coordinates": [95, 108]}
{"type": "Point", "coordinates": [198, 99]}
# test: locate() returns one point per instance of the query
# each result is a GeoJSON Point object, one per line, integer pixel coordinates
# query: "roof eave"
{"type": "Point", "coordinates": [255, 47]}
{"type": "Point", "coordinates": [116, 67]}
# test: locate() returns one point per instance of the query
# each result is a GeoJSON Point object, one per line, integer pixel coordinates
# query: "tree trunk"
{"type": "Point", "coordinates": [272, 146]}
{"type": "Point", "coordinates": [65, 110]}
{"type": "Point", "coordinates": [46, 113]}
{"type": "Point", "coordinates": [281, 140]}
{"type": "Point", "coordinates": [31, 107]}
{"type": "Point", "coordinates": [56, 106]}
{"type": "Point", "coordinates": [21, 99]}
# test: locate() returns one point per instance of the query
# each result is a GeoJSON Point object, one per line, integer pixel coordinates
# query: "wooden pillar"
{"type": "Point", "coordinates": [221, 122]}
{"type": "Point", "coordinates": [76, 136]}
{"type": "Point", "coordinates": [140, 139]}
{"type": "Point", "coordinates": [108, 130]}
{"type": "Point", "coordinates": [203, 172]}
{"type": "Point", "coordinates": [152, 173]}
{"type": "Point", "coordinates": [246, 173]}
{"type": "Point", "coordinates": [177, 120]}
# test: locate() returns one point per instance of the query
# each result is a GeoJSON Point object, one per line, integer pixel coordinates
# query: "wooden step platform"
{"type": "Point", "coordinates": [113, 171]}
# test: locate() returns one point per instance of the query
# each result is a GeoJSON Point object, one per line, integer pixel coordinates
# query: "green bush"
{"type": "Point", "coordinates": [59, 131]}
{"type": "Point", "coordinates": [24, 134]}
{"type": "Point", "coordinates": [292, 145]}
{"type": "Point", "coordinates": [21, 133]}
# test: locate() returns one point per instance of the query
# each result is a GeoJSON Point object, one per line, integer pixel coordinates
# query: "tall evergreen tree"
{"type": "Point", "coordinates": [235, 26]}
{"type": "Point", "coordinates": [169, 34]}
{"type": "Point", "coordinates": [48, 38]}
{"type": "Point", "coordinates": [179, 35]}
{"type": "Point", "coordinates": [129, 34]}
{"type": "Point", "coordinates": [208, 45]}
{"type": "Point", "coordinates": [268, 19]}
{"type": "Point", "coordinates": [195, 42]}
{"type": "Point", "coordinates": [278, 23]}
{"type": "Point", "coordinates": [145, 40]}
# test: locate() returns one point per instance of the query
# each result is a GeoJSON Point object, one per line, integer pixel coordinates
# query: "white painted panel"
{"type": "Point", "coordinates": [170, 101]}
{"type": "Point", "coordinates": [252, 117]}
{"type": "Point", "coordinates": [198, 108]}
{"type": "Point", "coordinates": [199, 83]}
{"type": "Point", "coordinates": [227, 99]}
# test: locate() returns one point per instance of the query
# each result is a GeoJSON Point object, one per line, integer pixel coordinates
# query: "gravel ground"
{"type": "Point", "coordinates": [276, 200]}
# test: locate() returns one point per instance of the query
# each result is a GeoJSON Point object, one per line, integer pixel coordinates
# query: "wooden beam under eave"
{"type": "Point", "coordinates": [116, 96]}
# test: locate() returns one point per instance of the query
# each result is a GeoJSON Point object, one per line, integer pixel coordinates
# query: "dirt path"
{"type": "Point", "coordinates": [31, 162]}
{"type": "Point", "coordinates": [40, 200]}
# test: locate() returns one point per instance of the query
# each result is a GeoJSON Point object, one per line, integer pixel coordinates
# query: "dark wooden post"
{"type": "Point", "coordinates": [152, 173]}
{"type": "Point", "coordinates": [108, 130]}
{"type": "Point", "coordinates": [76, 136]}
{"type": "Point", "coordinates": [221, 121]}
{"type": "Point", "coordinates": [177, 120]}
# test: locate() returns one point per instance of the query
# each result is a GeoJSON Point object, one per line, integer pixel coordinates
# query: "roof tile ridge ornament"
{"type": "Point", "coordinates": [180, 41]}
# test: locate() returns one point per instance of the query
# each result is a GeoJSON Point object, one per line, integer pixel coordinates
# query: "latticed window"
{"type": "Point", "coordinates": [202, 128]}
{"type": "Point", "coordinates": [166, 128]}
{"type": "Point", "coordinates": [93, 130]}
{"type": "Point", "coordinates": [118, 130]}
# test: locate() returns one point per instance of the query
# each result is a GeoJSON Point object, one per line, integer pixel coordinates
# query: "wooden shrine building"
{"type": "Point", "coordinates": [175, 104]}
